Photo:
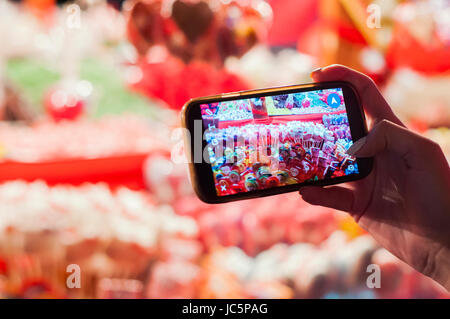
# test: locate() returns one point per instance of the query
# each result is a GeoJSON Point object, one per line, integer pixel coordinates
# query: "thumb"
{"type": "Point", "coordinates": [389, 137]}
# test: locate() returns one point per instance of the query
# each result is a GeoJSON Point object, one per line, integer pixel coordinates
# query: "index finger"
{"type": "Point", "coordinates": [373, 102]}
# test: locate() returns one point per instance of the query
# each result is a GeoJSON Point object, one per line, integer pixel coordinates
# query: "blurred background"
{"type": "Point", "coordinates": [90, 93]}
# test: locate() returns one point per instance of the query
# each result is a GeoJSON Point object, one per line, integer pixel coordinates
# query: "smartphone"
{"type": "Point", "coordinates": [256, 143]}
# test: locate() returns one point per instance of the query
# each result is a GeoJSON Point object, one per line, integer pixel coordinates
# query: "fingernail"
{"type": "Point", "coordinates": [315, 71]}
{"type": "Point", "coordinates": [353, 150]}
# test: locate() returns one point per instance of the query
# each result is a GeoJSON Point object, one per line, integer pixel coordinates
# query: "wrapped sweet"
{"type": "Point", "coordinates": [329, 147]}
{"type": "Point", "coordinates": [306, 102]}
{"type": "Point", "coordinates": [251, 184]}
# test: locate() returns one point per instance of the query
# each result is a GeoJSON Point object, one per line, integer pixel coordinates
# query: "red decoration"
{"type": "Point", "coordinates": [407, 51]}
{"type": "Point", "coordinates": [175, 82]}
{"type": "Point", "coordinates": [61, 104]}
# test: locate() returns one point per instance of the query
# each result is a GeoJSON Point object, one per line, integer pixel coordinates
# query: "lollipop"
{"type": "Point", "coordinates": [263, 171]}
{"type": "Point", "coordinates": [290, 102]}
{"type": "Point", "coordinates": [282, 176]}
{"type": "Point", "coordinates": [294, 171]}
{"type": "Point", "coordinates": [226, 170]}
{"type": "Point", "coordinates": [306, 102]}
{"type": "Point", "coordinates": [272, 181]}
{"type": "Point", "coordinates": [234, 177]}
{"type": "Point", "coordinates": [250, 183]}
{"type": "Point", "coordinates": [238, 187]}
{"type": "Point", "coordinates": [223, 186]}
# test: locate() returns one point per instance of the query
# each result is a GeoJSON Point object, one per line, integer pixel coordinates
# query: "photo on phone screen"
{"type": "Point", "coordinates": [277, 140]}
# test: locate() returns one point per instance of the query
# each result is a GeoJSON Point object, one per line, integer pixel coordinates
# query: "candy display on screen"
{"type": "Point", "coordinates": [271, 141]}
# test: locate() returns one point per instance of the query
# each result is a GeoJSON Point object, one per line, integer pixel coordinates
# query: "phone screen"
{"type": "Point", "coordinates": [277, 140]}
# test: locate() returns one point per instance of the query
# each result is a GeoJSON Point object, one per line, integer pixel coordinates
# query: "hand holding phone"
{"type": "Point", "coordinates": [404, 202]}
{"type": "Point", "coordinates": [264, 142]}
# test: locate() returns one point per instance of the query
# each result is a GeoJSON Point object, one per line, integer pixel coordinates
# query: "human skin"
{"type": "Point", "coordinates": [404, 203]}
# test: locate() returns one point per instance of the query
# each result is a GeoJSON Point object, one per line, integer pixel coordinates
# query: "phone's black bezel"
{"type": "Point", "coordinates": [202, 174]}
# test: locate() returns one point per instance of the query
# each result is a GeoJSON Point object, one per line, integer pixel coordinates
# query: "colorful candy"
{"type": "Point", "coordinates": [259, 156]}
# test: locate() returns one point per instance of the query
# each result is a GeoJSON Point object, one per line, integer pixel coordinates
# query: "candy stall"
{"type": "Point", "coordinates": [90, 99]}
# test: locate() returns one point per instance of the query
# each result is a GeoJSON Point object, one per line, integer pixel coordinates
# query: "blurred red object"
{"type": "Point", "coordinates": [43, 9]}
{"type": "Point", "coordinates": [3, 267]}
{"type": "Point", "coordinates": [116, 171]}
{"type": "Point", "coordinates": [111, 150]}
{"type": "Point", "coordinates": [61, 105]}
{"type": "Point", "coordinates": [175, 82]}
{"type": "Point", "coordinates": [291, 21]}
{"type": "Point", "coordinates": [405, 50]}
